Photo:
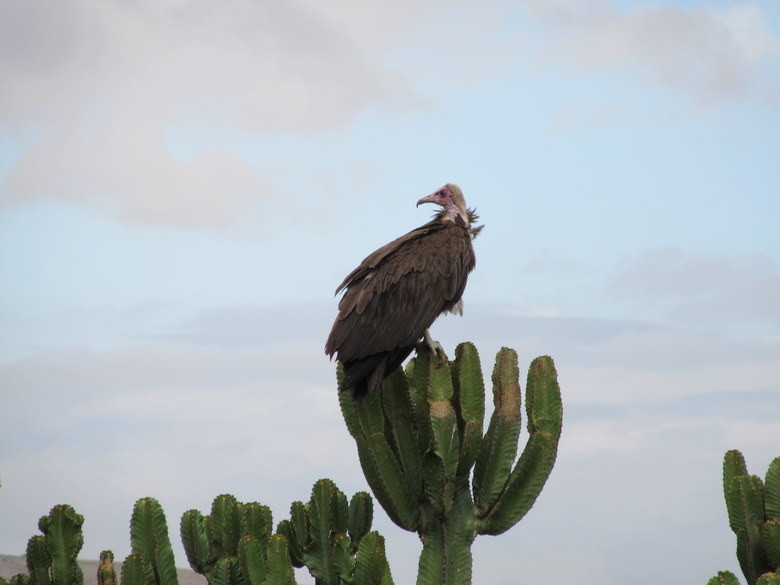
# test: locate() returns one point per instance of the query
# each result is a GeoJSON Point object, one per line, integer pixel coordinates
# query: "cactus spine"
{"type": "Point", "coordinates": [420, 436]}
{"type": "Point", "coordinates": [754, 516]}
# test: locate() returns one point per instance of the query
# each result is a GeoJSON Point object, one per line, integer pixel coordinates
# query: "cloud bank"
{"type": "Point", "coordinates": [710, 52]}
{"type": "Point", "coordinates": [98, 87]}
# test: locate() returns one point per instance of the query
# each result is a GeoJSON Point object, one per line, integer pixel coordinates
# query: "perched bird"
{"type": "Point", "coordinates": [397, 292]}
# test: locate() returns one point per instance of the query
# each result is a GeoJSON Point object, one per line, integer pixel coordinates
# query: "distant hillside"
{"type": "Point", "coordinates": [12, 565]}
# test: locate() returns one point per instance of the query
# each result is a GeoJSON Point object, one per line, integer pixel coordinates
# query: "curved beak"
{"type": "Point", "coordinates": [428, 199]}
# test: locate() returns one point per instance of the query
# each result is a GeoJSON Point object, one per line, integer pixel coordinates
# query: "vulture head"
{"type": "Point", "coordinates": [450, 197]}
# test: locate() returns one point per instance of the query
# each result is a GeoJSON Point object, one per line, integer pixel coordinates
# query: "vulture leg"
{"type": "Point", "coordinates": [435, 347]}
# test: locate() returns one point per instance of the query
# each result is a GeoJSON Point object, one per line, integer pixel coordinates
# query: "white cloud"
{"type": "Point", "coordinates": [268, 67]}
{"type": "Point", "coordinates": [709, 52]}
{"type": "Point", "coordinates": [99, 84]}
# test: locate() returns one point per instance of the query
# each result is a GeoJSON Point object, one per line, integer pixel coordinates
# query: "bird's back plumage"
{"type": "Point", "coordinates": [394, 296]}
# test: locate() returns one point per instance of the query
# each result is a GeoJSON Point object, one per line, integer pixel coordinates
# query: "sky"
{"type": "Point", "coordinates": [183, 184]}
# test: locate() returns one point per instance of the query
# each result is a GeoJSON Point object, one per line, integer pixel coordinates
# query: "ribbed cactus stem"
{"type": "Point", "coordinates": [62, 530]}
{"type": "Point", "coordinates": [446, 556]}
{"type": "Point", "coordinates": [38, 561]}
{"type": "Point", "coordinates": [149, 537]}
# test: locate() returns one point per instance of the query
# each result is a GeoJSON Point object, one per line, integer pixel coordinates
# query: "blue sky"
{"type": "Point", "coordinates": [182, 187]}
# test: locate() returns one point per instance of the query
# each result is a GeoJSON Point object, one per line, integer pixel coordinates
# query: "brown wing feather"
{"type": "Point", "coordinates": [398, 291]}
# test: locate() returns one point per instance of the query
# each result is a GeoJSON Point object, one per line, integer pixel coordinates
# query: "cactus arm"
{"type": "Point", "coordinates": [368, 459]}
{"type": "Point", "coordinates": [226, 571]}
{"type": "Point", "coordinates": [733, 466]}
{"type": "Point", "coordinates": [771, 538]}
{"type": "Point", "coordinates": [771, 529]}
{"type": "Point", "coordinates": [62, 529]}
{"type": "Point", "coordinates": [296, 530]}
{"type": "Point", "coordinates": [149, 536]}
{"type": "Point", "coordinates": [440, 463]}
{"type": "Point", "coordinates": [338, 514]}
{"type": "Point", "coordinates": [499, 445]}
{"type": "Point", "coordinates": [224, 526]}
{"type": "Point", "coordinates": [38, 561]}
{"type": "Point", "coordinates": [399, 418]}
{"type": "Point", "coordinates": [257, 522]}
{"type": "Point", "coordinates": [772, 485]}
{"type": "Point", "coordinates": [251, 559]}
{"type": "Point", "coordinates": [195, 540]}
{"type": "Point", "coordinates": [348, 408]}
{"type": "Point", "coordinates": [343, 558]}
{"type": "Point", "coordinates": [469, 403]}
{"type": "Point", "coordinates": [296, 537]}
{"type": "Point", "coordinates": [319, 556]}
{"type": "Point", "coordinates": [544, 414]}
{"type": "Point", "coordinates": [417, 377]}
{"type": "Point", "coordinates": [280, 571]}
{"type": "Point", "coordinates": [361, 514]}
{"type": "Point", "coordinates": [135, 570]}
{"type": "Point", "coordinates": [522, 489]}
{"type": "Point", "coordinates": [371, 566]}
{"type": "Point", "coordinates": [384, 472]}
{"type": "Point", "coordinates": [543, 404]}
{"type": "Point", "coordinates": [745, 504]}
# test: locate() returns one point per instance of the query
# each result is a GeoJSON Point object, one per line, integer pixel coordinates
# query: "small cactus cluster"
{"type": "Point", "coordinates": [332, 538]}
{"type": "Point", "coordinates": [51, 557]}
{"type": "Point", "coordinates": [421, 435]}
{"type": "Point", "coordinates": [754, 515]}
{"type": "Point", "coordinates": [233, 545]}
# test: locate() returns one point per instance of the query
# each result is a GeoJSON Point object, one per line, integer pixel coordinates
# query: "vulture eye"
{"type": "Point", "coordinates": [441, 193]}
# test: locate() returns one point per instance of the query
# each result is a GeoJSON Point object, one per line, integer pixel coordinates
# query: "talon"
{"type": "Point", "coordinates": [435, 347]}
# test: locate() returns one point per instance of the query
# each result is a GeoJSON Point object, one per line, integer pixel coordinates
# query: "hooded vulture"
{"type": "Point", "coordinates": [397, 292]}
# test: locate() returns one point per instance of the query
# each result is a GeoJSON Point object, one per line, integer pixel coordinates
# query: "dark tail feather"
{"type": "Point", "coordinates": [366, 374]}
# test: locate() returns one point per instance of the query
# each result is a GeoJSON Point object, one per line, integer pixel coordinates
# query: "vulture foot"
{"type": "Point", "coordinates": [433, 345]}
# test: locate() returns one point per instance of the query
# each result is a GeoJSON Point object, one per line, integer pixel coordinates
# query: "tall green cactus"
{"type": "Point", "coordinates": [332, 539]}
{"type": "Point", "coordinates": [420, 436]}
{"type": "Point", "coordinates": [754, 516]}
